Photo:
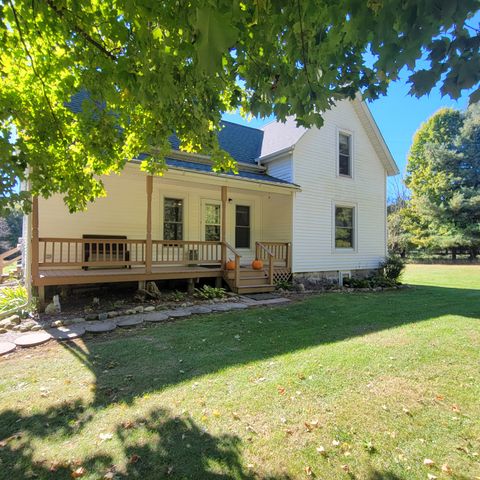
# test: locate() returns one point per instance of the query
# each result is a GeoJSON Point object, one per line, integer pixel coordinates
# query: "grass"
{"type": "Point", "coordinates": [380, 381]}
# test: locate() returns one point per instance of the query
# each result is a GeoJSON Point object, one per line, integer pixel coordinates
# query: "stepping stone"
{"type": "Point", "coordinates": [236, 306]}
{"type": "Point", "coordinates": [200, 309]}
{"type": "Point", "coordinates": [222, 307]}
{"type": "Point", "coordinates": [100, 327]}
{"type": "Point", "coordinates": [67, 333]}
{"type": "Point", "coordinates": [32, 339]}
{"type": "Point", "coordinates": [180, 312]}
{"type": "Point", "coordinates": [129, 321]}
{"type": "Point", "coordinates": [7, 347]}
{"type": "Point", "coordinates": [155, 317]}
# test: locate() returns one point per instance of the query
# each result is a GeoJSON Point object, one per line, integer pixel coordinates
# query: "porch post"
{"type": "Point", "coordinates": [35, 242]}
{"type": "Point", "coordinates": [148, 249]}
{"type": "Point", "coordinates": [223, 234]}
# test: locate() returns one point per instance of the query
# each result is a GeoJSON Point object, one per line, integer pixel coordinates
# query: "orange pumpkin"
{"type": "Point", "coordinates": [257, 264]}
{"type": "Point", "coordinates": [230, 265]}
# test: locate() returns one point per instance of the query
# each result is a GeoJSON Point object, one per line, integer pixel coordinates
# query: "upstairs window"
{"type": "Point", "coordinates": [344, 227]}
{"type": "Point", "coordinates": [173, 219]}
{"type": "Point", "coordinates": [344, 154]}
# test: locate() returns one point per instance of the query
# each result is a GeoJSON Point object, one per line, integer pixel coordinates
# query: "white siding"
{"type": "Point", "coordinates": [123, 210]}
{"type": "Point", "coordinates": [278, 135]}
{"type": "Point", "coordinates": [281, 168]}
{"type": "Point", "coordinates": [315, 170]}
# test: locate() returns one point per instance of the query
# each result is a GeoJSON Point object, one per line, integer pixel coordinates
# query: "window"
{"type": "Point", "coordinates": [344, 227]}
{"type": "Point", "coordinates": [242, 226]}
{"type": "Point", "coordinates": [345, 154]}
{"type": "Point", "coordinates": [212, 222]}
{"type": "Point", "coordinates": [172, 219]}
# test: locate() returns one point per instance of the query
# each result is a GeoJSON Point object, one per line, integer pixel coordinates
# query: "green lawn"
{"type": "Point", "coordinates": [380, 381]}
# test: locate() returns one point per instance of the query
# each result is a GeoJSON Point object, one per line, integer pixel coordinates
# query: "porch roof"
{"type": "Point", "coordinates": [241, 175]}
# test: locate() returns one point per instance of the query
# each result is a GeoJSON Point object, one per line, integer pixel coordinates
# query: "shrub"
{"type": "Point", "coordinates": [393, 267]}
{"type": "Point", "coordinates": [209, 293]}
{"type": "Point", "coordinates": [283, 285]}
{"type": "Point", "coordinates": [13, 297]}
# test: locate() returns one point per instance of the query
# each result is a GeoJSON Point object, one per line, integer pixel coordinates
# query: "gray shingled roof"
{"type": "Point", "coordinates": [243, 143]}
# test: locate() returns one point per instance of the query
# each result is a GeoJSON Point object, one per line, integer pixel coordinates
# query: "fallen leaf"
{"type": "Point", "coordinates": [428, 462]}
{"type": "Point", "coordinates": [406, 410]}
{"type": "Point", "coordinates": [345, 468]}
{"type": "Point", "coordinates": [128, 424]}
{"type": "Point", "coordinates": [106, 436]}
{"type": "Point", "coordinates": [335, 443]}
{"type": "Point", "coordinates": [455, 408]}
{"type": "Point", "coordinates": [431, 476]}
{"type": "Point", "coordinates": [134, 458]}
{"type": "Point", "coordinates": [446, 468]}
{"type": "Point", "coordinates": [169, 470]}
{"type": "Point", "coordinates": [321, 450]}
{"type": "Point", "coordinates": [216, 413]}
{"type": "Point", "coordinates": [235, 416]}
{"type": "Point", "coordinates": [281, 390]}
{"type": "Point", "coordinates": [440, 398]}
{"type": "Point", "coordinates": [301, 376]}
{"type": "Point", "coordinates": [79, 472]}
{"type": "Point", "coordinates": [308, 471]}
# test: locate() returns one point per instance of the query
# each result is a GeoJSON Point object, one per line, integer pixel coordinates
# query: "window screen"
{"type": "Point", "coordinates": [344, 227]}
{"type": "Point", "coordinates": [242, 226]}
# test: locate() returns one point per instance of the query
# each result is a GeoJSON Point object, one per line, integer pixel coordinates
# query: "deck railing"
{"type": "Point", "coordinates": [281, 252]}
{"type": "Point", "coordinates": [106, 252]}
{"type": "Point", "coordinates": [86, 252]}
{"type": "Point", "coordinates": [186, 252]}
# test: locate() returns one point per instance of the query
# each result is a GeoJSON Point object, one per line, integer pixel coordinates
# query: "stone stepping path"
{"type": "Point", "coordinates": [222, 307]}
{"type": "Point", "coordinates": [200, 309]}
{"type": "Point", "coordinates": [7, 347]}
{"type": "Point", "coordinates": [180, 312]}
{"type": "Point", "coordinates": [100, 327]}
{"type": "Point", "coordinates": [155, 317]}
{"type": "Point", "coordinates": [67, 333]}
{"type": "Point", "coordinates": [32, 339]}
{"type": "Point", "coordinates": [130, 321]}
{"type": "Point", "coordinates": [236, 306]}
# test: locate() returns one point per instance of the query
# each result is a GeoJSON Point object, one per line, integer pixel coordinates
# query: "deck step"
{"type": "Point", "coordinates": [253, 281]}
{"type": "Point", "coordinates": [266, 288]}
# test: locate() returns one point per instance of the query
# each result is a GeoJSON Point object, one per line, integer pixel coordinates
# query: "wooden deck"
{"type": "Point", "coordinates": [134, 274]}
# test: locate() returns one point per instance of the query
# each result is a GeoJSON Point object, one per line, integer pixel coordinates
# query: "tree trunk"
{"type": "Point", "coordinates": [454, 253]}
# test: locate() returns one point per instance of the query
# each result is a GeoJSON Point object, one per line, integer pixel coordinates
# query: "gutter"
{"type": "Point", "coordinates": [291, 186]}
{"type": "Point", "coordinates": [279, 153]}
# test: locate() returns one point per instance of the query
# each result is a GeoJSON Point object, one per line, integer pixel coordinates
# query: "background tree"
{"type": "Point", "coordinates": [10, 230]}
{"type": "Point", "coordinates": [444, 178]}
{"type": "Point", "coordinates": [398, 231]}
{"type": "Point", "coordinates": [153, 68]}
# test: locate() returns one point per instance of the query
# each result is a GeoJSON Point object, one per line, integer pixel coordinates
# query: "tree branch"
{"type": "Point", "coordinates": [61, 14]}
{"type": "Point", "coordinates": [35, 71]}
{"type": "Point", "coordinates": [304, 56]}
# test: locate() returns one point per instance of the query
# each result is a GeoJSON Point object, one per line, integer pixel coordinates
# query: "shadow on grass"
{"type": "Point", "coordinates": [128, 364]}
{"type": "Point", "coordinates": [180, 449]}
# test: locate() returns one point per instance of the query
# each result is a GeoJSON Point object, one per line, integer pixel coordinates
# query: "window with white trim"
{"type": "Point", "coordinates": [173, 219]}
{"type": "Point", "coordinates": [344, 154]}
{"type": "Point", "coordinates": [344, 227]}
{"type": "Point", "coordinates": [212, 222]}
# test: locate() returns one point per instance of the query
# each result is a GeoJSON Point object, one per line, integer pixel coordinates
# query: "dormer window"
{"type": "Point", "coordinates": [344, 154]}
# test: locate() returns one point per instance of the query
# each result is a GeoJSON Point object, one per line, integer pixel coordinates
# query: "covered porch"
{"type": "Point", "coordinates": [193, 226]}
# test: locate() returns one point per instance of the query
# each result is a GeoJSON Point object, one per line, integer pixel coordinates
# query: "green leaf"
{"type": "Point", "coordinates": [216, 36]}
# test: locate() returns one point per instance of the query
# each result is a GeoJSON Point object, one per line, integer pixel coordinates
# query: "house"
{"type": "Point", "coordinates": [310, 203]}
